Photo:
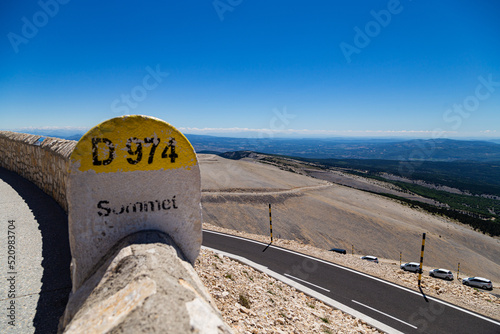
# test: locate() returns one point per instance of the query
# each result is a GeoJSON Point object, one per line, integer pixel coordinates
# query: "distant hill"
{"type": "Point", "coordinates": [380, 149]}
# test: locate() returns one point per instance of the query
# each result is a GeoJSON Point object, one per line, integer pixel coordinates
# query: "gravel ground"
{"type": "Point", "coordinates": [252, 302]}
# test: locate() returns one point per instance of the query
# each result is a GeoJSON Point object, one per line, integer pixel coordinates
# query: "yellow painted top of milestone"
{"type": "Point", "coordinates": [131, 143]}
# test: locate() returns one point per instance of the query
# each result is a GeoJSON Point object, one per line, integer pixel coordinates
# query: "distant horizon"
{"type": "Point", "coordinates": [266, 134]}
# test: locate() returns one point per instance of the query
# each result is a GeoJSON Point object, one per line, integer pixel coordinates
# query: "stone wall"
{"type": "Point", "coordinates": [42, 160]}
{"type": "Point", "coordinates": [143, 284]}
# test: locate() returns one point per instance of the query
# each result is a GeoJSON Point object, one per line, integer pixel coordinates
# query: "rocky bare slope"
{"type": "Point", "coordinates": [236, 194]}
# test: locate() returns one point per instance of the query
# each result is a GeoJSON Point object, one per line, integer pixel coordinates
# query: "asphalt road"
{"type": "Point", "coordinates": [400, 308]}
{"type": "Point", "coordinates": [39, 262]}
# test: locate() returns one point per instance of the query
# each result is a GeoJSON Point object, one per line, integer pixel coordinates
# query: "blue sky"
{"type": "Point", "coordinates": [248, 68]}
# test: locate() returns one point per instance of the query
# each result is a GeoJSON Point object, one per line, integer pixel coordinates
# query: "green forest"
{"type": "Point", "coordinates": [478, 207]}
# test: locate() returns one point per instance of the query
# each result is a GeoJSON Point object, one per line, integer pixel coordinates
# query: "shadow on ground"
{"type": "Point", "coordinates": [53, 224]}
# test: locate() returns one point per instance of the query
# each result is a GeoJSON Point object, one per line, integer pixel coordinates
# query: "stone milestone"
{"type": "Point", "coordinates": [130, 174]}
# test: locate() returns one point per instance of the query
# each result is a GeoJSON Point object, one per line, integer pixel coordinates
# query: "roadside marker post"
{"type": "Point", "coordinates": [352, 249]}
{"type": "Point", "coordinates": [421, 260]}
{"type": "Point", "coordinates": [270, 223]}
{"type": "Point", "coordinates": [400, 258]}
{"type": "Point", "coordinates": [131, 174]}
{"type": "Point", "coordinates": [458, 271]}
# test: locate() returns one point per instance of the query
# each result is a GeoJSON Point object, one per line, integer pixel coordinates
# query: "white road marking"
{"type": "Point", "coordinates": [365, 275]}
{"type": "Point", "coordinates": [316, 286]}
{"type": "Point", "coordinates": [387, 315]}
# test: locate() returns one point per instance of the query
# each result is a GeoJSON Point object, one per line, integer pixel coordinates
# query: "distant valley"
{"type": "Point", "coordinates": [335, 148]}
{"type": "Point", "coordinates": [384, 149]}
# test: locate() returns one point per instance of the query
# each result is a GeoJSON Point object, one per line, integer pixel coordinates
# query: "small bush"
{"type": "Point", "coordinates": [243, 300]}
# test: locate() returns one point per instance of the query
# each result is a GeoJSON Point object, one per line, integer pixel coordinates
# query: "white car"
{"type": "Point", "coordinates": [411, 266]}
{"type": "Point", "coordinates": [479, 282]}
{"type": "Point", "coordinates": [441, 273]}
{"type": "Point", "coordinates": [369, 258]}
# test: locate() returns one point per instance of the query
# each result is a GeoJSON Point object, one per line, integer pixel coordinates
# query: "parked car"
{"type": "Point", "coordinates": [441, 273]}
{"type": "Point", "coordinates": [479, 282]}
{"type": "Point", "coordinates": [338, 250]}
{"type": "Point", "coordinates": [411, 266]}
{"type": "Point", "coordinates": [369, 258]}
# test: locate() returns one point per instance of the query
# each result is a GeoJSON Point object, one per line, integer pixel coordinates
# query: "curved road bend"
{"type": "Point", "coordinates": [402, 309]}
{"type": "Point", "coordinates": [40, 269]}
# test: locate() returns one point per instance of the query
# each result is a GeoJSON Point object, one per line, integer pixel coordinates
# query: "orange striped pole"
{"type": "Point", "coordinates": [421, 260]}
